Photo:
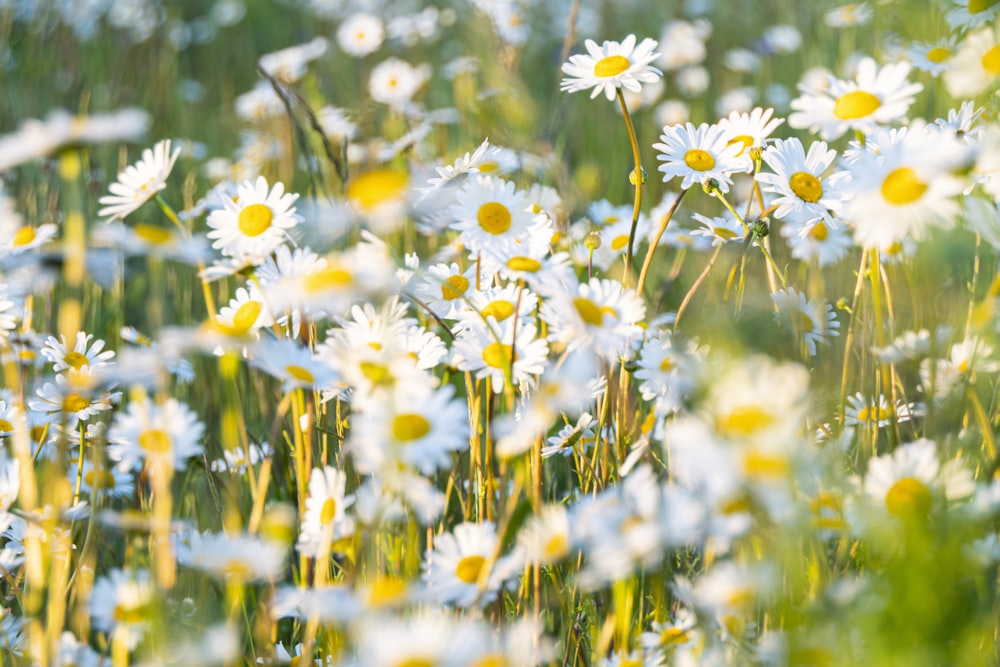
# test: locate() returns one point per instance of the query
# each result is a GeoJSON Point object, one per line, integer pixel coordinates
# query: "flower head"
{"type": "Point", "coordinates": [611, 66]}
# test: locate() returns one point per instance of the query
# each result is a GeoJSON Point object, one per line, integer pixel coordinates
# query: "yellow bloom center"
{"type": "Point", "coordinates": [938, 54]}
{"type": "Point", "coordinates": [453, 287]}
{"type": "Point", "coordinates": [630, 663]}
{"type": "Point", "coordinates": [494, 218]}
{"type": "Point", "coordinates": [855, 104]}
{"type": "Point", "coordinates": [527, 264]}
{"type": "Point", "coordinates": [499, 309]}
{"type": "Point", "coordinates": [74, 403]}
{"type": "Point", "coordinates": [498, 355]}
{"type": "Point", "coordinates": [589, 311]}
{"type": "Point", "coordinates": [386, 590]}
{"type": "Point", "coordinates": [977, 6]}
{"type": "Point", "coordinates": [76, 360]}
{"type": "Point", "coordinates": [377, 374]}
{"type": "Point", "coordinates": [673, 637]}
{"type": "Point", "coordinates": [99, 479]}
{"type": "Point", "coordinates": [611, 66]}
{"type": "Point", "coordinates": [410, 426]}
{"type": "Point", "coordinates": [619, 242]}
{"type": "Point", "coordinates": [745, 420]}
{"type": "Point", "coordinates": [699, 160]}
{"type": "Point", "coordinates": [819, 231]}
{"type": "Point", "coordinates": [724, 233]}
{"type": "Point", "coordinates": [991, 60]}
{"type": "Point", "coordinates": [246, 316]}
{"type": "Point", "coordinates": [761, 465]}
{"type": "Point", "coordinates": [328, 511]}
{"type": "Point", "coordinates": [556, 547]}
{"type": "Point", "coordinates": [667, 364]}
{"type": "Point", "coordinates": [155, 441]}
{"type": "Point", "coordinates": [468, 568]}
{"type": "Point", "coordinates": [416, 662]}
{"type": "Point", "coordinates": [908, 497]}
{"type": "Point", "coordinates": [254, 219]}
{"type": "Point", "coordinates": [127, 615]}
{"type": "Point", "coordinates": [804, 322]}
{"type": "Point", "coordinates": [301, 374]}
{"type": "Point", "coordinates": [872, 413]}
{"type": "Point", "coordinates": [744, 139]}
{"type": "Point", "coordinates": [370, 190]}
{"type": "Point", "coordinates": [154, 235]}
{"type": "Point", "coordinates": [6, 426]}
{"type": "Point", "coordinates": [24, 236]}
{"type": "Point", "coordinates": [331, 278]}
{"type": "Point", "coordinates": [492, 660]}
{"type": "Point", "coordinates": [901, 186]}
{"type": "Point", "coordinates": [806, 186]}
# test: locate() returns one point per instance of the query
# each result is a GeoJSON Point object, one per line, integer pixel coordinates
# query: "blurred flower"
{"type": "Point", "coordinates": [361, 34]}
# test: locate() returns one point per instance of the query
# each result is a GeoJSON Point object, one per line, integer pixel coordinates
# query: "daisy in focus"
{"type": "Point", "coordinates": [140, 182]}
{"type": "Point", "coordinates": [256, 223]}
{"type": "Point", "coordinates": [805, 196]}
{"type": "Point", "coordinates": [697, 154]}
{"type": "Point", "coordinates": [611, 66]}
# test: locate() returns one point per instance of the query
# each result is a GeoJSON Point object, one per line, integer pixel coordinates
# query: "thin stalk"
{"type": "Point", "coordinates": [638, 177]}
{"type": "Point", "coordinates": [648, 260]}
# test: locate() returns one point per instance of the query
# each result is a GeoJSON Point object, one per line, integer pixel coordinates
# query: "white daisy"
{"type": "Point", "coordinates": [160, 433]}
{"type": "Point", "coordinates": [237, 558]}
{"type": "Point", "coordinates": [804, 195]}
{"type": "Point", "coordinates": [80, 358]}
{"type": "Point", "coordinates": [245, 314]}
{"type": "Point", "coordinates": [501, 350]}
{"type": "Point", "coordinates": [491, 214]}
{"type": "Point", "coordinates": [975, 67]}
{"type": "Point", "coordinates": [461, 569]}
{"type": "Point", "coordinates": [140, 182]}
{"type": "Point", "coordinates": [325, 517]}
{"type": "Point", "coordinates": [394, 82]}
{"type": "Point", "coordinates": [749, 131]}
{"type": "Point", "coordinates": [600, 315]}
{"type": "Point", "coordinates": [698, 154]}
{"type": "Point", "coordinates": [256, 223]}
{"type": "Point", "coordinates": [611, 66]}
{"type": "Point", "coordinates": [813, 321]}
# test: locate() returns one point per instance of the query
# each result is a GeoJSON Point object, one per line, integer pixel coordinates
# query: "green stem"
{"type": "Point", "coordinates": [656, 241]}
{"type": "Point", "coordinates": [638, 177]}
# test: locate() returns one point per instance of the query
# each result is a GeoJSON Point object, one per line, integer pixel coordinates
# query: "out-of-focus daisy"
{"type": "Point", "coordinates": [847, 16]}
{"type": "Point", "coordinates": [22, 238]}
{"type": "Point", "coordinates": [804, 195]}
{"type": "Point", "coordinates": [394, 82]}
{"type": "Point", "coordinates": [601, 316]}
{"type": "Point", "coordinates": [100, 481]}
{"type": "Point", "coordinates": [749, 131]}
{"type": "Point", "coordinates": [813, 321]}
{"type": "Point", "coordinates": [140, 182]}
{"type": "Point", "coordinates": [294, 365]}
{"type": "Point", "coordinates": [246, 313]}
{"type": "Point", "coordinates": [73, 396]}
{"type": "Point", "coordinates": [667, 636]}
{"type": "Point", "coordinates": [470, 163]}
{"type": "Point", "coordinates": [975, 67]}
{"type": "Point", "coordinates": [866, 412]}
{"type": "Point", "coordinates": [698, 154]}
{"type": "Point", "coordinates": [874, 97]}
{"type": "Point", "coordinates": [242, 558]}
{"type": "Point", "coordinates": [819, 243]}
{"type": "Point", "coordinates": [666, 372]}
{"type": "Point", "coordinates": [572, 437]}
{"type": "Point", "coordinates": [963, 121]}
{"type": "Point", "coordinates": [545, 537]}
{"type": "Point", "coordinates": [683, 43]}
{"type": "Point", "coordinates": [160, 433]}
{"type": "Point", "coordinates": [908, 480]}
{"type": "Point", "coordinates": [968, 14]}
{"type": "Point", "coordinates": [325, 516]}
{"type": "Point", "coordinates": [256, 223]}
{"type": "Point", "coordinates": [122, 603]}
{"type": "Point", "coordinates": [611, 66]}
{"type": "Point", "coordinates": [782, 38]}
{"type": "Point", "coordinates": [460, 570]}
{"type": "Point", "coordinates": [933, 58]}
{"type": "Point", "coordinates": [361, 34]}
{"type": "Point", "coordinates": [237, 460]}
{"type": "Point", "coordinates": [289, 64]}
{"type": "Point", "coordinates": [722, 229]}
{"type": "Point", "coordinates": [83, 357]}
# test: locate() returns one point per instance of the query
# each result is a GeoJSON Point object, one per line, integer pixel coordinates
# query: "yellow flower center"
{"type": "Point", "coordinates": [804, 322]}
{"type": "Point", "coordinates": [377, 374]}
{"type": "Point", "coordinates": [699, 160]}
{"type": "Point", "coordinates": [127, 615]}
{"type": "Point", "coordinates": [301, 374]}
{"type": "Point", "coordinates": [492, 660]}
{"type": "Point", "coordinates": [819, 231]}
{"type": "Point", "coordinates": [938, 54]}
{"type": "Point", "coordinates": [527, 264]}
{"type": "Point", "coordinates": [499, 309]}
{"type": "Point", "coordinates": [872, 413]}
{"type": "Point", "coordinates": [589, 311]}
{"type": "Point", "coordinates": [556, 547]}
{"type": "Point", "coordinates": [155, 235]}
{"type": "Point", "coordinates": [155, 441]}
{"type": "Point", "coordinates": [611, 66]}
{"type": "Point", "coordinates": [745, 420]}
{"type": "Point", "coordinates": [806, 186]}
{"type": "Point", "coordinates": [667, 364]}
{"type": "Point", "coordinates": [468, 568]}
{"type": "Point", "coordinates": [991, 60]}
{"type": "Point", "coordinates": [976, 6]}
{"type": "Point", "coordinates": [673, 637]}
{"type": "Point", "coordinates": [416, 662]}
{"type": "Point", "coordinates": [725, 233]}
{"type": "Point", "coordinates": [325, 279]}
{"type": "Point", "coordinates": [619, 242]}
{"type": "Point", "coordinates": [630, 663]}
{"type": "Point", "coordinates": [24, 236]}
{"type": "Point", "coordinates": [328, 511]}
{"type": "Point", "coordinates": [744, 139]}
{"type": "Point", "coordinates": [254, 219]}
{"type": "Point", "coordinates": [370, 190]}
{"type": "Point", "coordinates": [454, 287]}
{"type": "Point", "coordinates": [6, 426]}
{"type": "Point", "coordinates": [855, 104]}
{"type": "Point", "coordinates": [488, 167]}
{"type": "Point", "coordinates": [385, 591]}
{"type": "Point", "coordinates": [498, 355]}
{"type": "Point", "coordinates": [409, 427]}
{"type": "Point", "coordinates": [99, 479]}
{"type": "Point", "coordinates": [908, 497]}
{"type": "Point", "coordinates": [761, 465]}
{"type": "Point", "coordinates": [246, 316]}
{"type": "Point", "coordinates": [494, 218]}
{"type": "Point", "coordinates": [74, 403]}
{"type": "Point", "coordinates": [76, 360]}
{"type": "Point", "coordinates": [901, 186]}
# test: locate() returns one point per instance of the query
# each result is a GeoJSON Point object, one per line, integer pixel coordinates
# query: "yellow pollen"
{"type": "Point", "coordinates": [908, 497]}
{"type": "Point", "coordinates": [375, 345]}
{"type": "Point", "coordinates": [725, 233]}
{"type": "Point", "coordinates": [155, 441]}
{"type": "Point", "coordinates": [991, 60]}
{"type": "Point", "coordinates": [745, 420]}
{"type": "Point", "coordinates": [872, 413]}
{"type": "Point", "coordinates": [699, 160]}
{"type": "Point", "coordinates": [301, 374]}
{"type": "Point", "coordinates": [6, 426]}
{"type": "Point", "coordinates": [819, 231]}
{"type": "Point", "coordinates": [611, 66]}
{"type": "Point", "coordinates": [806, 186]}
{"type": "Point", "coordinates": [375, 373]}
{"type": "Point", "coordinates": [855, 104]}
{"type": "Point", "coordinates": [76, 360]}
{"type": "Point", "coordinates": [127, 615]}
{"type": "Point", "coordinates": [498, 355]}
{"type": "Point", "coordinates": [492, 660]}
{"type": "Point", "coordinates": [416, 662]}
{"type": "Point", "coordinates": [38, 432]}
{"type": "Point", "coordinates": [744, 139]}
{"type": "Point", "coordinates": [589, 312]}
{"type": "Point", "coordinates": [24, 236]}
{"type": "Point", "coordinates": [902, 187]}
{"type": "Point", "coordinates": [328, 511]}
{"type": "Point", "coordinates": [74, 403]}
{"type": "Point", "coordinates": [630, 663]}
{"type": "Point", "coordinates": [499, 309]}
{"type": "Point", "coordinates": [760, 465]}
{"type": "Point", "coordinates": [453, 287]}
{"type": "Point", "coordinates": [370, 190]}
{"type": "Point", "coordinates": [155, 235]}
{"type": "Point", "coordinates": [619, 242]}
{"type": "Point", "coordinates": [468, 568]}
{"type": "Point", "coordinates": [99, 479]}
{"type": "Point", "coordinates": [325, 279]}
{"type": "Point", "coordinates": [409, 427]}
{"type": "Point", "coordinates": [804, 322]}
{"type": "Point", "coordinates": [527, 264]}
{"type": "Point", "coordinates": [246, 316]}
{"type": "Point", "coordinates": [938, 54]}
{"type": "Point", "coordinates": [255, 219]}
{"type": "Point", "coordinates": [494, 218]}
{"type": "Point", "coordinates": [488, 167]}
{"type": "Point", "coordinates": [667, 364]}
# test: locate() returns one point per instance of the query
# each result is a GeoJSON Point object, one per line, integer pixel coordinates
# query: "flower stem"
{"type": "Point", "coordinates": [656, 241]}
{"type": "Point", "coordinates": [638, 177]}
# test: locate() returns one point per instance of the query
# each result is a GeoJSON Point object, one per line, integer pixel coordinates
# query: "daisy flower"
{"type": "Point", "coordinates": [933, 58]}
{"type": "Point", "coordinates": [975, 67]}
{"type": "Point", "coordinates": [599, 315]}
{"type": "Point", "coordinates": [866, 412]}
{"type": "Point", "coordinates": [256, 223]}
{"type": "Point", "coordinates": [95, 482]}
{"type": "Point", "coordinates": [470, 163]}
{"type": "Point", "coordinates": [611, 66]}
{"type": "Point", "coordinates": [26, 237]}
{"type": "Point", "coordinates": [495, 350]}
{"type": "Point", "coordinates": [122, 603]}
{"type": "Point", "coordinates": [294, 365]}
{"type": "Point", "coordinates": [749, 131]}
{"type": "Point", "coordinates": [242, 558]}
{"type": "Point", "coordinates": [289, 65]}
{"type": "Point", "coordinates": [140, 182]}
{"type": "Point", "coordinates": [847, 16]}
{"type": "Point", "coordinates": [80, 358]}
{"type": "Point", "coordinates": [460, 570]}
{"type": "Point", "coordinates": [875, 96]}
{"type": "Point", "coordinates": [160, 433]}
{"type": "Point", "coordinates": [666, 372]}
{"type": "Point", "coordinates": [907, 481]}
{"type": "Point", "coordinates": [394, 82]}
{"type": "Point", "coordinates": [569, 436]}
{"type": "Point", "coordinates": [819, 243]}
{"type": "Point", "coordinates": [804, 195]}
{"type": "Point", "coordinates": [966, 14]}
{"type": "Point", "coordinates": [545, 537]}
{"type": "Point", "coordinates": [325, 516]}
{"type": "Point", "coordinates": [361, 34]}
{"type": "Point", "coordinates": [500, 303]}
{"type": "Point", "coordinates": [491, 214]}
{"type": "Point", "coordinates": [75, 397]}
{"type": "Point", "coordinates": [246, 313]}
{"type": "Point", "coordinates": [698, 154]}
{"type": "Point", "coordinates": [723, 229]}
{"type": "Point", "coordinates": [813, 321]}
{"type": "Point", "coordinates": [238, 460]}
